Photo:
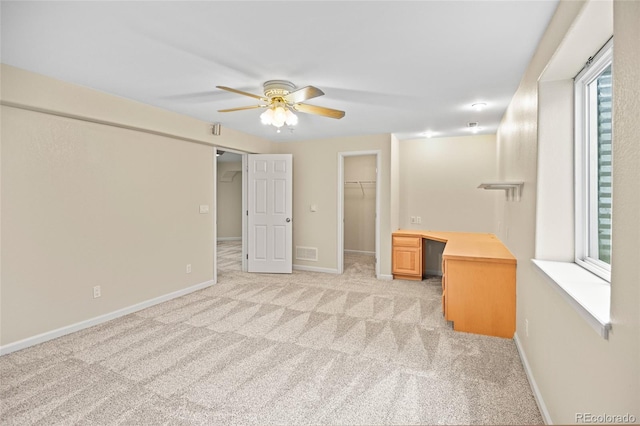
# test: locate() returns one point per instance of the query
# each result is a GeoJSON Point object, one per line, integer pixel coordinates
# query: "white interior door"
{"type": "Point", "coordinates": [269, 213]}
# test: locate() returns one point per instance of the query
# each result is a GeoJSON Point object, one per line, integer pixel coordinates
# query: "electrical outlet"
{"type": "Point", "coordinates": [188, 268]}
{"type": "Point", "coordinates": [413, 219]}
{"type": "Point", "coordinates": [526, 327]}
{"type": "Point", "coordinates": [96, 291]}
{"type": "Point", "coordinates": [418, 219]}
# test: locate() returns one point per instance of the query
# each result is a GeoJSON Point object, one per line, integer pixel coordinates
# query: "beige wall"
{"type": "Point", "coordinates": [97, 202]}
{"type": "Point", "coordinates": [34, 91]}
{"type": "Point", "coordinates": [315, 177]}
{"type": "Point", "coordinates": [575, 370]}
{"type": "Point", "coordinates": [394, 188]}
{"type": "Point", "coordinates": [439, 181]}
{"type": "Point", "coordinates": [360, 204]}
{"type": "Point", "coordinates": [229, 198]}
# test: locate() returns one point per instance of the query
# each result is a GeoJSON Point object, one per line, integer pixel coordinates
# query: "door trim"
{"type": "Point", "coordinates": [340, 238]}
{"type": "Point", "coordinates": [215, 209]}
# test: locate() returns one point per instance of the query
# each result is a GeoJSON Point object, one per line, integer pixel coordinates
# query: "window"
{"type": "Point", "coordinates": [593, 133]}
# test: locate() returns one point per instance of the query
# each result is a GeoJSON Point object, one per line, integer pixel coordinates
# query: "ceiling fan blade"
{"type": "Point", "coordinates": [303, 94]}
{"type": "Point", "coordinates": [312, 109]}
{"type": "Point", "coordinates": [242, 108]}
{"type": "Point", "coordinates": [240, 92]}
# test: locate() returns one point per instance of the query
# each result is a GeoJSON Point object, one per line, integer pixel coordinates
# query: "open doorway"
{"type": "Point", "coordinates": [358, 210]}
{"type": "Point", "coordinates": [229, 208]}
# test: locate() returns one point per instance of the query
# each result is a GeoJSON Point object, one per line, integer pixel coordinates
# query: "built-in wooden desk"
{"type": "Point", "coordinates": [478, 278]}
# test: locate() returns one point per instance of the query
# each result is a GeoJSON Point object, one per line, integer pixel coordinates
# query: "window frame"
{"type": "Point", "coordinates": [586, 164]}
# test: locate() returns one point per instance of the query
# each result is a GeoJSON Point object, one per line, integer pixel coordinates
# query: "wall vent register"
{"type": "Point", "coordinates": [306, 253]}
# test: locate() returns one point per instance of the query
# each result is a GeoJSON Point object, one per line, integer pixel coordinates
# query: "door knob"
{"type": "Point", "coordinates": [288, 219]}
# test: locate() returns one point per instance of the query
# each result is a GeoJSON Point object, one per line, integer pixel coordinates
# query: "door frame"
{"type": "Point", "coordinates": [340, 238]}
{"type": "Point", "coordinates": [215, 210]}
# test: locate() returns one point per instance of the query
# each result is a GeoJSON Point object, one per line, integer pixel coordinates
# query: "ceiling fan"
{"type": "Point", "coordinates": [280, 97]}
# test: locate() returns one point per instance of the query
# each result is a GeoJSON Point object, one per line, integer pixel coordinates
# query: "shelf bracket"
{"type": "Point", "coordinates": [512, 190]}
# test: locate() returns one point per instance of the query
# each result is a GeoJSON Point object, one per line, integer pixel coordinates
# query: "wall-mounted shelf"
{"type": "Point", "coordinates": [512, 190]}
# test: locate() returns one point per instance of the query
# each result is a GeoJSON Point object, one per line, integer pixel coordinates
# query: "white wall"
{"type": "Point", "coordinates": [574, 369]}
{"type": "Point", "coordinates": [229, 200]}
{"type": "Point", "coordinates": [315, 177]}
{"type": "Point", "coordinates": [439, 179]}
{"type": "Point", "coordinates": [360, 204]}
{"type": "Point", "coordinates": [99, 190]}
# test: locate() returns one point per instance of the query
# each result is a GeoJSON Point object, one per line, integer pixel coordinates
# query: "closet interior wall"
{"type": "Point", "coordinates": [229, 197]}
{"type": "Point", "coordinates": [360, 204]}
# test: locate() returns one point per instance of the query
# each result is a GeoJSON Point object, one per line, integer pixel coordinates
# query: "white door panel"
{"type": "Point", "coordinates": [270, 207]}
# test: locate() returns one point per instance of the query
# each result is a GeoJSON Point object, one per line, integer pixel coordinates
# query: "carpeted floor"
{"type": "Point", "coordinates": [263, 349]}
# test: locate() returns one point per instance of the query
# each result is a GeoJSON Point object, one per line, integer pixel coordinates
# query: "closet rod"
{"type": "Point", "coordinates": [360, 182]}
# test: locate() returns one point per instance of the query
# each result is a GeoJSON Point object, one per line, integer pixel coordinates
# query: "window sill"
{"type": "Point", "coordinates": [587, 293]}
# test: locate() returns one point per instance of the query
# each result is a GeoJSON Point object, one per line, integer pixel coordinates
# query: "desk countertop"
{"type": "Point", "coordinates": [466, 245]}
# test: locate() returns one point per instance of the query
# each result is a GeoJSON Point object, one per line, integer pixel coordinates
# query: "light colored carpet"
{"type": "Point", "coordinates": [263, 349]}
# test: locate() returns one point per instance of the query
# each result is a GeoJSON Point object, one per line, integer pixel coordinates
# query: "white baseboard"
{"type": "Point", "coordinates": [315, 269]}
{"type": "Point", "coordinates": [50, 335]}
{"type": "Point", "coordinates": [368, 253]}
{"type": "Point", "coordinates": [532, 382]}
{"type": "Point", "coordinates": [229, 238]}
{"type": "Point", "coordinates": [333, 271]}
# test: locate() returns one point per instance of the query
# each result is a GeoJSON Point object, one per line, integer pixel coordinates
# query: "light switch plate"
{"type": "Point", "coordinates": [204, 208]}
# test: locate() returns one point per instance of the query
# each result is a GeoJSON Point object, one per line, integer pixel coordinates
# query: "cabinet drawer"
{"type": "Point", "coordinates": [407, 241]}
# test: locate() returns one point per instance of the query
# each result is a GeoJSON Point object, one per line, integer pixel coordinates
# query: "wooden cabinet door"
{"type": "Point", "coordinates": [407, 258]}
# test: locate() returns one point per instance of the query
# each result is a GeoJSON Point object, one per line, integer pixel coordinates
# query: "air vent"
{"type": "Point", "coordinates": [307, 253]}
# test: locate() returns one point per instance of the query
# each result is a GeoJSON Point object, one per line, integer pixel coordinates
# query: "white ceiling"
{"type": "Point", "coordinates": [400, 67]}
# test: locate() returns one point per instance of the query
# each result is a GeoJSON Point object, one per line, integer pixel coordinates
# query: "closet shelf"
{"type": "Point", "coordinates": [512, 190]}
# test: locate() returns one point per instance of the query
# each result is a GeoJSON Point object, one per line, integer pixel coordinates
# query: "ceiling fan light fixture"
{"type": "Point", "coordinates": [291, 118]}
{"type": "Point", "coordinates": [278, 116]}
{"type": "Point", "coordinates": [267, 117]}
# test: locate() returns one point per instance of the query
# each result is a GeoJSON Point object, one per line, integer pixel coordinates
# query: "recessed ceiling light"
{"type": "Point", "coordinates": [479, 106]}
{"type": "Point", "coordinates": [474, 126]}
{"type": "Point", "coordinates": [428, 134]}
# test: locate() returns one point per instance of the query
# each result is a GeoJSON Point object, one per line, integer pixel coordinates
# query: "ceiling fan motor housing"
{"type": "Point", "coordinates": [278, 88]}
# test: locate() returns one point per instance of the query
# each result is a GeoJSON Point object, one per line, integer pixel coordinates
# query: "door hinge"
{"type": "Point", "coordinates": [247, 212]}
{"type": "Point", "coordinates": [247, 257]}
